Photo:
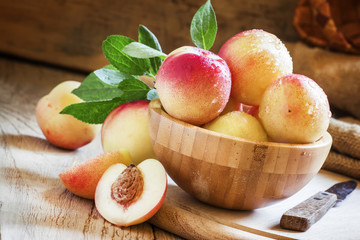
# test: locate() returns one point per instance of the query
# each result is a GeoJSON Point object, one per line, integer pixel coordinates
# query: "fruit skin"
{"type": "Point", "coordinates": [238, 124]}
{"type": "Point", "coordinates": [127, 127]}
{"type": "Point", "coordinates": [253, 111]}
{"type": "Point", "coordinates": [63, 130]}
{"type": "Point", "coordinates": [255, 58]}
{"type": "Point", "coordinates": [83, 178]}
{"type": "Point", "coordinates": [150, 201]}
{"type": "Point", "coordinates": [193, 85]}
{"type": "Point", "coordinates": [231, 106]}
{"type": "Point", "coordinates": [295, 109]}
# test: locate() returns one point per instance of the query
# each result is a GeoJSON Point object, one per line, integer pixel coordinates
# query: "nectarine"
{"type": "Point", "coordinates": [62, 130]}
{"type": "Point", "coordinates": [238, 124]}
{"type": "Point", "coordinates": [294, 109]}
{"type": "Point", "coordinates": [255, 58]}
{"type": "Point", "coordinates": [130, 195]}
{"type": "Point", "coordinates": [193, 85]}
{"type": "Point", "coordinates": [83, 178]}
{"type": "Point", "coordinates": [127, 127]}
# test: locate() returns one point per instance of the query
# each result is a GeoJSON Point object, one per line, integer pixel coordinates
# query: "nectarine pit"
{"type": "Point", "coordinates": [128, 187]}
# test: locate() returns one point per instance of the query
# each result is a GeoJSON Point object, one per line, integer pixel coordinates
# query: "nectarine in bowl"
{"type": "Point", "coordinates": [230, 172]}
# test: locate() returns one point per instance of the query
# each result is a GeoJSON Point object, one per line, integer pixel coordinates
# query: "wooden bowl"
{"type": "Point", "coordinates": [231, 172]}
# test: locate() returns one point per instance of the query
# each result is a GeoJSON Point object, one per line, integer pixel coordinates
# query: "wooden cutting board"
{"type": "Point", "coordinates": [189, 218]}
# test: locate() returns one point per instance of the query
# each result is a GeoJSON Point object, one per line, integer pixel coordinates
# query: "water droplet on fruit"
{"type": "Point", "coordinates": [312, 84]}
{"type": "Point", "coordinates": [278, 45]}
{"type": "Point", "coordinates": [214, 101]}
{"type": "Point", "coordinates": [310, 110]}
{"type": "Point", "coordinates": [329, 114]}
{"type": "Point", "coordinates": [267, 109]}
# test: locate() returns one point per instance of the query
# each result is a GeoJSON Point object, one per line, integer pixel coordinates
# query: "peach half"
{"type": "Point", "coordinates": [63, 130]}
{"type": "Point", "coordinates": [255, 58]}
{"type": "Point", "coordinates": [131, 195]}
{"type": "Point", "coordinates": [83, 178]}
{"type": "Point", "coordinates": [193, 85]}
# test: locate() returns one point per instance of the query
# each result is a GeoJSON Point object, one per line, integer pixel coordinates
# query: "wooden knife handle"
{"type": "Point", "coordinates": [304, 215]}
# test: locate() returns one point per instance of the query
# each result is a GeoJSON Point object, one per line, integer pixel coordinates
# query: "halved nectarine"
{"type": "Point", "coordinates": [130, 195]}
{"type": "Point", "coordinates": [83, 178]}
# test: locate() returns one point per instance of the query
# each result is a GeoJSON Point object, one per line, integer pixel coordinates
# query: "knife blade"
{"type": "Point", "coordinates": [304, 215]}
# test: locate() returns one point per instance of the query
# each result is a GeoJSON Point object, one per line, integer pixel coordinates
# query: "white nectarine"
{"type": "Point", "coordinates": [62, 130]}
{"type": "Point", "coordinates": [238, 124]}
{"type": "Point", "coordinates": [127, 127]}
{"type": "Point", "coordinates": [130, 195]}
{"type": "Point", "coordinates": [193, 85]}
{"type": "Point", "coordinates": [294, 109]}
{"type": "Point", "coordinates": [255, 58]}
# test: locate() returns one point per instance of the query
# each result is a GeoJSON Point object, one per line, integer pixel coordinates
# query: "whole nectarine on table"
{"type": "Point", "coordinates": [64, 131]}
{"type": "Point", "coordinates": [127, 128]}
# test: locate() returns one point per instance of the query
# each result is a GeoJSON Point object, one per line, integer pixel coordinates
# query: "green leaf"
{"type": "Point", "coordinates": [112, 77]}
{"type": "Point", "coordinates": [95, 112]}
{"type": "Point", "coordinates": [112, 48]}
{"type": "Point", "coordinates": [133, 89]}
{"type": "Point", "coordinates": [139, 50]}
{"type": "Point", "coordinates": [93, 89]}
{"type": "Point", "coordinates": [148, 38]}
{"type": "Point", "coordinates": [92, 112]}
{"type": "Point", "coordinates": [204, 27]}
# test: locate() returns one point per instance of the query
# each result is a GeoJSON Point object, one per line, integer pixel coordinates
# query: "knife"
{"type": "Point", "coordinates": [304, 215]}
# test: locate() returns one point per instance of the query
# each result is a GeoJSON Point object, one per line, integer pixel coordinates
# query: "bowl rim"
{"type": "Point", "coordinates": [326, 139]}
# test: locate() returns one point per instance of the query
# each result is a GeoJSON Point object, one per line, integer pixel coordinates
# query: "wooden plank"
{"type": "Point", "coordinates": [70, 33]}
{"type": "Point", "coordinates": [33, 202]}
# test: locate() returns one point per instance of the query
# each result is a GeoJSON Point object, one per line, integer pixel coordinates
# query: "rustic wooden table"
{"type": "Point", "coordinates": [33, 202]}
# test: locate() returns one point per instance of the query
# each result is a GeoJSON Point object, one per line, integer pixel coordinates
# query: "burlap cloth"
{"type": "Point", "coordinates": [344, 156]}
{"type": "Point", "coordinates": [339, 75]}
